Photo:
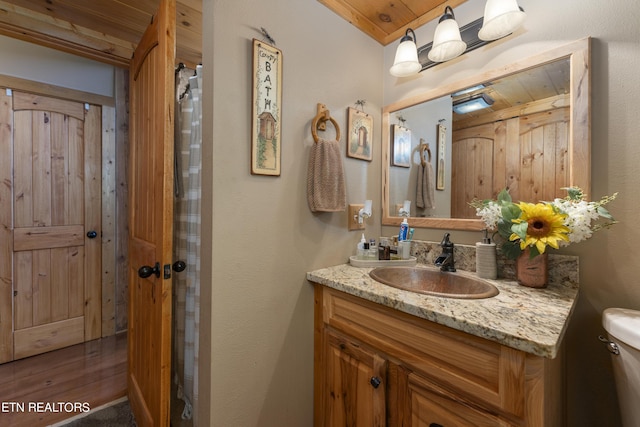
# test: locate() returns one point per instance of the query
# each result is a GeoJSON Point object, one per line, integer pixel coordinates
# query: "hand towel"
{"type": "Point", "coordinates": [425, 190]}
{"type": "Point", "coordinates": [325, 178]}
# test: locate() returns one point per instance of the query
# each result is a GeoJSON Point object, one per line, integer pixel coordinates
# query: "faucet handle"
{"type": "Point", "coordinates": [446, 243]}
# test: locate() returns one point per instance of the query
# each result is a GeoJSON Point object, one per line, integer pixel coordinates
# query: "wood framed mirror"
{"type": "Point", "coordinates": [533, 146]}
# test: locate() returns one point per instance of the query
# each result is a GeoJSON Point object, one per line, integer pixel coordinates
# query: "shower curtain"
{"type": "Point", "coordinates": [188, 140]}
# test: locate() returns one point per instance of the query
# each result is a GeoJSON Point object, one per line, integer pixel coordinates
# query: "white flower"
{"type": "Point", "coordinates": [490, 214]}
{"type": "Point", "coordinates": [580, 215]}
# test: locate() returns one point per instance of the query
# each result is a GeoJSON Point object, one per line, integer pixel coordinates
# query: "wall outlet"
{"type": "Point", "coordinates": [353, 217]}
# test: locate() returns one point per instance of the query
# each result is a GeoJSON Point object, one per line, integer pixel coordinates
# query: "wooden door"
{"type": "Point", "coordinates": [472, 177]}
{"type": "Point", "coordinates": [151, 219]}
{"type": "Point", "coordinates": [56, 245]}
{"type": "Point", "coordinates": [355, 384]}
{"type": "Point", "coordinates": [529, 155]}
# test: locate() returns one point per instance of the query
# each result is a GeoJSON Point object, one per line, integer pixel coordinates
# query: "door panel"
{"type": "Point", "coordinates": [56, 197]}
{"type": "Point", "coordinates": [472, 178]}
{"type": "Point", "coordinates": [151, 218]}
{"type": "Point", "coordinates": [352, 397]}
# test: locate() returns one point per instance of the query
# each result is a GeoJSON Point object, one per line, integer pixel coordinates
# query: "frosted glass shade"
{"type": "Point", "coordinates": [473, 104]}
{"type": "Point", "coordinates": [406, 60]}
{"type": "Point", "coordinates": [501, 18]}
{"type": "Point", "coordinates": [447, 43]}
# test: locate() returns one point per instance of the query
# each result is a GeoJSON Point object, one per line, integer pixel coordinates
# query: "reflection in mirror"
{"type": "Point", "coordinates": [532, 137]}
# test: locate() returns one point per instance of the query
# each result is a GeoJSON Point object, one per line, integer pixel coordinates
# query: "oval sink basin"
{"type": "Point", "coordinates": [434, 282]}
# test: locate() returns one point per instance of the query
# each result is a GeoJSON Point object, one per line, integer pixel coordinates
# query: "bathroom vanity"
{"type": "Point", "coordinates": [389, 357]}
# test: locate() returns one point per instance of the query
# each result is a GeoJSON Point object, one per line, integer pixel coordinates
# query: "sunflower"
{"type": "Point", "coordinates": [539, 225]}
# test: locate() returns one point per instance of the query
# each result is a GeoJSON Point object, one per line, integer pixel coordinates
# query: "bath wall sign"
{"type": "Point", "coordinates": [267, 107]}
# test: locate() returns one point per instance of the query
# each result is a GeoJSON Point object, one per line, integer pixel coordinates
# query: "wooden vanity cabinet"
{"type": "Point", "coordinates": [375, 366]}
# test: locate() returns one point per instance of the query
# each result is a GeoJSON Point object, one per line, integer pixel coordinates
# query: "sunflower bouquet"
{"type": "Point", "coordinates": [537, 225]}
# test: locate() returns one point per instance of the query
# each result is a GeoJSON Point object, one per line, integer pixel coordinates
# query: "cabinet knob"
{"type": "Point", "coordinates": [375, 382]}
{"type": "Point", "coordinates": [92, 234]}
{"type": "Point", "coordinates": [435, 425]}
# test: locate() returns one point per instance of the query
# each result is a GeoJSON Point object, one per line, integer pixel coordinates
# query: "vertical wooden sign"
{"type": "Point", "coordinates": [266, 116]}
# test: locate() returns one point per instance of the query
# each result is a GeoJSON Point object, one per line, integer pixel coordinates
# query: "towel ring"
{"type": "Point", "coordinates": [424, 147]}
{"type": "Point", "coordinates": [323, 116]}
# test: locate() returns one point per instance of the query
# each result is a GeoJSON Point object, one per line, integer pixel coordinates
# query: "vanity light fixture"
{"type": "Point", "coordinates": [501, 18]}
{"type": "Point", "coordinates": [406, 61]}
{"type": "Point", "coordinates": [447, 42]}
{"type": "Point", "coordinates": [474, 103]}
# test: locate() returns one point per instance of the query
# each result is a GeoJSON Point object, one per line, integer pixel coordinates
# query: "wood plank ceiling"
{"type": "Point", "coordinates": [108, 30]}
{"type": "Point", "coordinates": [387, 20]}
{"type": "Point", "coordinates": [102, 30]}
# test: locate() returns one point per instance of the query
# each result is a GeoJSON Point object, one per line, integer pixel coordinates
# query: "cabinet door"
{"type": "Point", "coordinates": [433, 407]}
{"type": "Point", "coordinates": [355, 383]}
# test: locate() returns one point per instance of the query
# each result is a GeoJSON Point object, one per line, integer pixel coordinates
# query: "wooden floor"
{"type": "Point", "coordinates": [44, 389]}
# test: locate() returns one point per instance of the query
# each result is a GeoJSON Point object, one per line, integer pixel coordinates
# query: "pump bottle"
{"type": "Point", "coordinates": [486, 263]}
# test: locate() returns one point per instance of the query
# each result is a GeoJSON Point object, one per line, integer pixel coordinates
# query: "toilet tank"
{"type": "Point", "coordinates": [623, 328]}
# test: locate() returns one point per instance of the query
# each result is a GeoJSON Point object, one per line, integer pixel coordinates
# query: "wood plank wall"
{"type": "Point", "coordinates": [6, 248]}
{"type": "Point", "coordinates": [122, 195]}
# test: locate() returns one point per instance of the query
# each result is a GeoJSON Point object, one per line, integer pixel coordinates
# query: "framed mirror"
{"type": "Point", "coordinates": [532, 137]}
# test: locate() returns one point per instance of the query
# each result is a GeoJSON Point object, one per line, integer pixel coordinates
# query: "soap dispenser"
{"type": "Point", "coordinates": [486, 263]}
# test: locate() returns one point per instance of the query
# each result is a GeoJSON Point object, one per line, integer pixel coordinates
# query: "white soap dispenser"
{"type": "Point", "coordinates": [486, 263]}
{"type": "Point", "coordinates": [360, 253]}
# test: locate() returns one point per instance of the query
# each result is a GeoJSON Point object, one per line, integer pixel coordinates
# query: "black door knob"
{"type": "Point", "coordinates": [146, 271]}
{"type": "Point", "coordinates": [92, 234]}
{"type": "Point", "coordinates": [179, 266]}
{"type": "Point", "coordinates": [375, 382]}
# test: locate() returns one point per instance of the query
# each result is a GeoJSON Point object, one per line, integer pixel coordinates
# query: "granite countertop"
{"type": "Point", "coordinates": [527, 319]}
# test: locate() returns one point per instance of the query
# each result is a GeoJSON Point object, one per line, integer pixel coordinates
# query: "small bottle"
{"type": "Point", "coordinates": [486, 264]}
{"type": "Point", "coordinates": [372, 251]}
{"type": "Point", "coordinates": [365, 251]}
{"type": "Point", "coordinates": [360, 253]}
{"type": "Point", "coordinates": [394, 253]}
{"type": "Point", "coordinates": [404, 230]}
{"type": "Point", "coordinates": [383, 250]}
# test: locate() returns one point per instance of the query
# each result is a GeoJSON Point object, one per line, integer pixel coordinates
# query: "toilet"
{"type": "Point", "coordinates": [623, 329]}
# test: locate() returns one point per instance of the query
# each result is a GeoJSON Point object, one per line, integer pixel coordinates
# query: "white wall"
{"type": "Point", "coordinates": [262, 236]}
{"type": "Point", "coordinates": [609, 271]}
{"type": "Point", "coordinates": [32, 62]}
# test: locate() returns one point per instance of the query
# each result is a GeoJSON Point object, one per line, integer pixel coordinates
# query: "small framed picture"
{"type": "Point", "coordinates": [360, 134]}
{"type": "Point", "coordinates": [401, 147]}
{"type": "Point", "coordinates": [441, 133]}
